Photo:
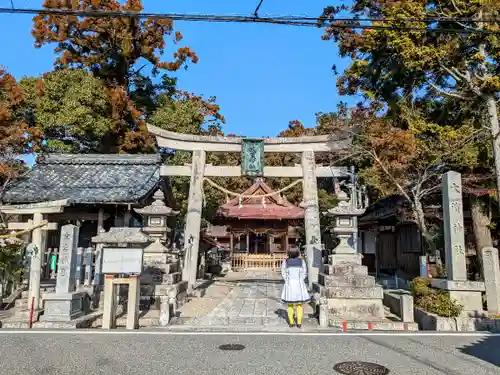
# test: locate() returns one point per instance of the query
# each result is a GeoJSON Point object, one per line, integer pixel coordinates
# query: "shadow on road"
{"type": "Point", "coordinates": [487, 349]}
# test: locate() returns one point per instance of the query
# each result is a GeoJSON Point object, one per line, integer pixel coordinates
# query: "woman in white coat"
{"type": "Point", "coordinates": [294, 272]}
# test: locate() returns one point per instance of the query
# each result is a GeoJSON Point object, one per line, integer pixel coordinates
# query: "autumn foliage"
{"type": "Point", "coordinates": [108, 46]}
{"type": "Point", "coordinates": [111, 49]}
{"type": "Point", "coordinates": [16, 137]}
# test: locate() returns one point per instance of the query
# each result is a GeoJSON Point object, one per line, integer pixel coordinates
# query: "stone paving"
{"type": "Point", "coordinates": [254, 299]}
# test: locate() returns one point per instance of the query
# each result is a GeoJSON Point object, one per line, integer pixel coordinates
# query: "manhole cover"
{"type": "Point", "coordinates": [360, 368]}
{"type": "Point", "coordinates": [232, 347]}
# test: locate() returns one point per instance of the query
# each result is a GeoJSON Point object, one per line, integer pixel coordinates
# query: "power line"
{"type": "Point", "coordinates": [339, 23]}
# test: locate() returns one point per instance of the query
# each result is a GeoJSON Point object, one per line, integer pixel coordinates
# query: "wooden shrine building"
{"type": "Point", "coordinates": [256, 230]}
{"type": "Point", "coordinates": [100, 191]}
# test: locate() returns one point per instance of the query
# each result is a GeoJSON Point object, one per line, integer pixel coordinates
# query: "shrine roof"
{"type": "Point", "coordinates": [87, 178]}
{"type": "Point", "coordinates": [276, 206]}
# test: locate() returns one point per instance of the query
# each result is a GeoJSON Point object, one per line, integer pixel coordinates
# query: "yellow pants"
{"type": "Point", "coordinates": [299, 310]}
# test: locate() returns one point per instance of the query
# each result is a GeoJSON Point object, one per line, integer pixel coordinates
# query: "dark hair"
{"type": "Point", "coordinates": [293, 253]}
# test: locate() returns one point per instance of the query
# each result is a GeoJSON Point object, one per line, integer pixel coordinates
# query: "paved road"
{"type": "Point", "coordinates": [156, 353]}
{"type": "Point", "coordinates": [254, 299]}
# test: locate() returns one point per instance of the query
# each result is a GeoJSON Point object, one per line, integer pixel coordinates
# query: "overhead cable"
{"type": "Point", "coordinates": [339, 23]}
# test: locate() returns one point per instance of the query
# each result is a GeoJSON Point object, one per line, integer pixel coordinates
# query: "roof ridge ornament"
{"type": "Point", "coordinates": [158, 207]}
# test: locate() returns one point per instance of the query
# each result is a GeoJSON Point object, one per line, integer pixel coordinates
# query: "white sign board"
{"type": "Point", "coordinates": [116, 260]}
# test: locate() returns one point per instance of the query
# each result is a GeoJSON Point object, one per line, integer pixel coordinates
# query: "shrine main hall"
{"type": "Point", "coordinates": [257, 229]}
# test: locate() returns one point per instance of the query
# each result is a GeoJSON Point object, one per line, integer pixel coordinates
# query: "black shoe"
{"type": "Point", "coordinates": [291, 325]}
{"type": "Point", "coordinates": [299, 325]}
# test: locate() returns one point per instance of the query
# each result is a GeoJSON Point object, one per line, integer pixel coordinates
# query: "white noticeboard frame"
{"type": "Point", "coordinates": [122, 260]}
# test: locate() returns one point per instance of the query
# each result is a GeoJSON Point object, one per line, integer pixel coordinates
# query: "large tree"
{"type": "Point", "coordinates": [419, 51]}
{"type": "Point", "coordinates": [113, 49]}
{"type": "Point", "coordinates": [71, 108]}
{"type": "Point", "coordinates": [406, 157]}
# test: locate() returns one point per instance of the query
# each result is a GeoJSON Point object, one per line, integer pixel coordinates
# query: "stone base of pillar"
{"type": "Point", "coordinates": [167, 307]}
{"type": "Point", "coordinates": [63, 307]}
{"type": "Point", "coordinates": [466, 293]}
{"type": "Point", "coordinates": [226, 267]}
{"type": "Point", "coordinates": [314, 258]}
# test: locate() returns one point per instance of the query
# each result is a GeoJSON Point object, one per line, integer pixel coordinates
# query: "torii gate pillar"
{"type": "Point", "coordinates": [313, 246]}
{"type": "Point", "coordinates": [193, 219]}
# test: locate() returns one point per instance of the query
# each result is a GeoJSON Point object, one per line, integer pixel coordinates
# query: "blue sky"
{"type": "Point", "coordinates": [262, 75]}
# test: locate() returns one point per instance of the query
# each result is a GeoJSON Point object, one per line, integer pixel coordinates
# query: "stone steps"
{"type": "Point", "coordinates": [207, 321]}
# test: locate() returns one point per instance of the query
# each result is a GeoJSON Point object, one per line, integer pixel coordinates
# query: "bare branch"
{"type": "Point", "coordinates": [403, 192]}
{"type": "Point", "coordinates": [457, 76]}
{"type": "Point", "coordinates": [428, 191]}
{"type": "Point", "coordinates": [466, 76]}
{"type": "Point", "coordinates": [256, 12]}
{"type": "Point", "coordinates": [481, 77]}
{"type": "Point", "coordinates": [446, 93]}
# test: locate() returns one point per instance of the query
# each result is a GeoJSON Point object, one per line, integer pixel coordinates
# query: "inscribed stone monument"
{"type": "Point", "coordinates": [66, 270]}
{"type": "Point", "coordinates": [467, 293]}
{"type": "Point", "coordinates": [454, 236]}
{"type": "Point", "coordinates": [65, 304]}
{"type": "Point", "coordinates": [491, 272]}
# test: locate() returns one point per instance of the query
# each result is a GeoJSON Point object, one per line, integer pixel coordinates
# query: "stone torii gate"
{"type": "Point", "coordinates": [307, 170]}
{"type": "Point", "coordinates": [38, 236]}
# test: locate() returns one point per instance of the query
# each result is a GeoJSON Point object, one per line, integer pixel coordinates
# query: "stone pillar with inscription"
{"type": "Point", "coordinates": [491, 272]}
{"type": "Point", "coordinates": [313, 245]}
{"type": "Point", "coordinates": [36, 262]}
{"type": "Point", "coordinates": [193, 219]}
{"type": "Point", "coordinates": [65, 304]}
{"type": "Point", "coordinates": [467, 293]}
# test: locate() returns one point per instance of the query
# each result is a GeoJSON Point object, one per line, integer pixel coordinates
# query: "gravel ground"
{"type": "Point", "coordinates": [157, 352]}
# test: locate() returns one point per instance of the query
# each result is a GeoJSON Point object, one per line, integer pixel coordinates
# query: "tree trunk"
{"type": "Point", "coordinates": [495, 134]}
{"type": "Point", "coordinates": [480, 224]}
{"type": "Point", "coordinates": [422, 226]}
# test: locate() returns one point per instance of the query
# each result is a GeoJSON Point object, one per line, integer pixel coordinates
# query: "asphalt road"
{"type": "Point", "coordinates": [74, 353]}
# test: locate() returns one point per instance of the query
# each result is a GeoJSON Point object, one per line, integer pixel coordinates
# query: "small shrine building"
{"type": "Point", "coordinates": [257, 229]}
{"type": "Point", "coordinates": [97, 191]}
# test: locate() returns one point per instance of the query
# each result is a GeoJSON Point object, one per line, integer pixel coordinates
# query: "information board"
{"type": "Point", "coordinates": [122, 260]}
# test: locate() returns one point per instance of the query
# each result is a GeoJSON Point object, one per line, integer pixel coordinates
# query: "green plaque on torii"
{"type": "Point", "coordinates": [252, 157]}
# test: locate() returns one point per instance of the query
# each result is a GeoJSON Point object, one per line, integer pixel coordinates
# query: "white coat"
{"type": "Point", "coordinates": [294, 272]}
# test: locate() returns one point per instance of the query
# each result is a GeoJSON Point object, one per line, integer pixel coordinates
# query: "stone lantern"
{"type": "Point", "coordinates": [346, 224]}
{"type": "Point", "coordinates": [346, 294]}
{"type": "Point", "coordinates": [155, 216]}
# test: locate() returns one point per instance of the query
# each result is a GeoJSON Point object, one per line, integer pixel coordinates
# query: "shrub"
{"type": "Point", "coordinates": [432, 300]}
{"type": "Point", "coordinates": [11, 260]}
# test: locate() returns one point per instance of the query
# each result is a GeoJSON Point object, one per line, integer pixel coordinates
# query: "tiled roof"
{"type": "Point", "coordinates": [276, 207]}
{"type": "Point", "coordinates": [87, 178]}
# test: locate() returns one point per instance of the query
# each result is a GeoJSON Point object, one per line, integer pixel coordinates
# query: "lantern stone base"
{"type": "Point", "coordinates": [63, 307]}
{"type": "Point", "coordinates": [161, 283]}
{"type": "Point", "coordinates": [349, 291]}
